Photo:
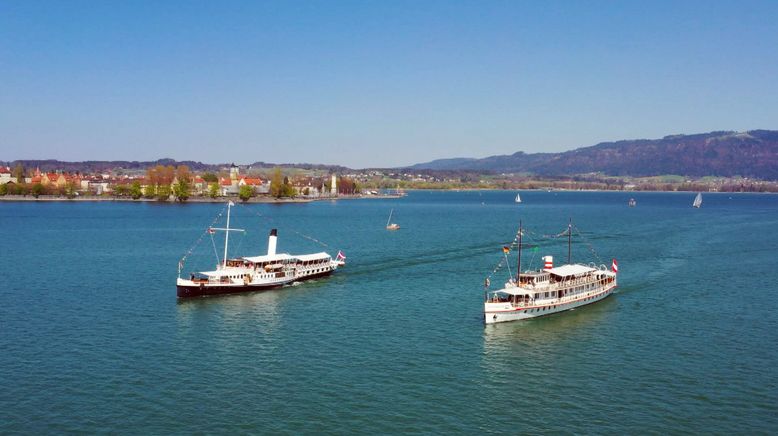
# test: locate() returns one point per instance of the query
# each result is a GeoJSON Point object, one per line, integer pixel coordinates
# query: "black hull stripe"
{"type": "Point", "coordinates": [204, 291]}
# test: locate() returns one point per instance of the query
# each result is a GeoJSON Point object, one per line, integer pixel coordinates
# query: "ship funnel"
{"type": "Point", "coordinates": [548, 262]}
{"type": "Point", "coordinates": [271, 242]}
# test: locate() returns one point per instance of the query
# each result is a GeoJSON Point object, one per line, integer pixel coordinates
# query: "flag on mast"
{"type": "Point", "coordinates": [340, 256]}
{"type": "Point", "coordinates": [615, 266]}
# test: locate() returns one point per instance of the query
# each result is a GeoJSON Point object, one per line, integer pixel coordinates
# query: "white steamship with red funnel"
{"type": "Point", "coordinates": [548, 290]}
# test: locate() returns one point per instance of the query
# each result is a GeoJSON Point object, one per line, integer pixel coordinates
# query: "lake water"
{"type": "Point", "coordinates": [92, 338]}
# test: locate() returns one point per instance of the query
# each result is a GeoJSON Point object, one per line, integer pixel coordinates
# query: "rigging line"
{"type": "Point", "coordinates": [497, 268]}
{"type": "Point", "coordinates": [310, 238]}
{"type": "Point", "coordinates": [547, 236]}
{"type": "Point", "coordinates": [589, 244]}
{"type": "Point", "coordinates": [240, 243]}
{"type": "Point", "coordinates": [215, 253]}
{"type": "Point", "coordinates": [532, 259]}
{"type": "Point", "coordinates": [504, 260]}
{"type": "Point", "coordinates": [515, 243]}
{"type": "Point", "coordinates": [202, 235]}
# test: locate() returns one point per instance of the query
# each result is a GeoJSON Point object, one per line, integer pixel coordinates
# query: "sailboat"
{"type": "Point", "coordinates": [697, 200]}
{"type": "Point", "coordinates": [518, 198]}
{"type": "Point", "coordinates": [389, 224]}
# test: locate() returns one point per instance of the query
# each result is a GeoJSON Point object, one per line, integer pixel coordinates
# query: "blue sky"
{"type": "Point", "coordinates": [369, 83]}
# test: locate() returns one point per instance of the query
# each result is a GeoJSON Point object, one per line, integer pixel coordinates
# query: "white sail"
{"type": "Point", "coordinates": [389, 224]}
{"type": "Point", "coordinates": [518, 198]}
{"type": "Point", "coordinates": [697, 200]}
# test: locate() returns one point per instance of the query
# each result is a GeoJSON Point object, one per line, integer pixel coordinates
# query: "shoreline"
{"type": "Point", "coordinates": [255, 200]}
{"type": "Point", "coordinates": [271, 200]}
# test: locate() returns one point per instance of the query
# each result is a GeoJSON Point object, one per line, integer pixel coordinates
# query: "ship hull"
{"type": "Point", "coordinates": [189, 291]}
{"type": "Point", "coordinates": [205, 290]}
{"type": "Point", "coordinates": [496, 313]}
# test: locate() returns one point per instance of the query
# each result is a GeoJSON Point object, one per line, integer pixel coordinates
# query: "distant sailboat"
{"type": "Point", "coordinates": [389, 224]}
{"type": "Point", "coordinates": [697, 200]}
{"type": "Point", "coordinates": [518, 198]}
{"type": "Point", "coordinates": [632, 202]}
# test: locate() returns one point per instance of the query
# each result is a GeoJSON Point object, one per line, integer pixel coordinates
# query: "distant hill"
{"type": "Point", "coordinates": [517, 162]}
{"type": "Point", "coordinates": [748, 154]}
{"type": "Point", "coordinates": [98, 166]}
{"type": "Point", "coordinates": [751, 154]}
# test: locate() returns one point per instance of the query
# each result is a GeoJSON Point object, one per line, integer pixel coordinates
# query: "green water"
{"type": "Point", "coordinates": [93, 340]}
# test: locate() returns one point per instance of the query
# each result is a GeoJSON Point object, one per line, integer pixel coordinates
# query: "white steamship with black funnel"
{"type": "Point", "coordinates": [256, 273]}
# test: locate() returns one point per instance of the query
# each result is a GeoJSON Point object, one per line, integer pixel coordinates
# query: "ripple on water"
{"type": "Point", "coordinates": [95, 341]}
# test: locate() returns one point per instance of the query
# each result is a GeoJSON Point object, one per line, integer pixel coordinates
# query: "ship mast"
{"type": "Point", "coordinates": [569, 239]}
{"type": "Point", "coordinates": [518, 266]}
{"type": "Point", "coordinates": [226, 236]}
{"type": "Point", "coordinates": [227, 231]}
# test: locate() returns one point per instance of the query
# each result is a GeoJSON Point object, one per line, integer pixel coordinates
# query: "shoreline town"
{"type": "Point", "coordinates": [167, 184]}
{"type": "Point", "coordinates": [295, 185]}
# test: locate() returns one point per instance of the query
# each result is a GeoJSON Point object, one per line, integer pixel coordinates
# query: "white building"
{"type": "Point", "coordinates": [5, 175]}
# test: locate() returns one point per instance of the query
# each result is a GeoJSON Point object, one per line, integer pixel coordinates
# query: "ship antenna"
{"type": "Point", "coordinates": [569, 239]}
{"type": "Point", "coordinates": [518, 266]}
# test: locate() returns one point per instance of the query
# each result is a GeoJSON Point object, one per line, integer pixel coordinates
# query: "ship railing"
{"type": "Point", "coordinates": [577, 282]}
{"type": "Point", "coordinates": [546, 301]}
{"type": "Point", "coordinates": [600, 286]}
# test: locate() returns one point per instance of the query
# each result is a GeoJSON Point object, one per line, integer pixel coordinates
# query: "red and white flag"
{"type": "Point", "coordinates": [211, 230]}
{"type": "Point", "coordinates": [340, 256]}
{"type": "Point", "coordinates": [615, 266]}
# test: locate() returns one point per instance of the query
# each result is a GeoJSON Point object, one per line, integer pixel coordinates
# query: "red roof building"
{"type": "Point", "coordinates": [251, 181]}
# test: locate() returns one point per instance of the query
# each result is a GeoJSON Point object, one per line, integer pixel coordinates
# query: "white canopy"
{"type": "Point", "coordinates": [515, 291]}
{"type": "Point", "coordinates": [315, 256]}
{"type": "Point", "coordinates": [223, 272]}
{"type": "Point", "coordinates": [571, 270]}
{"type": "Point", "coordinates": [284, 256]}
{"type": "Point", "coordinates": [266, 258]}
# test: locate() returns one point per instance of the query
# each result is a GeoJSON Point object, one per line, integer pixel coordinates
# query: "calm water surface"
{"type": "Point", "coordinates": [92, 338]}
